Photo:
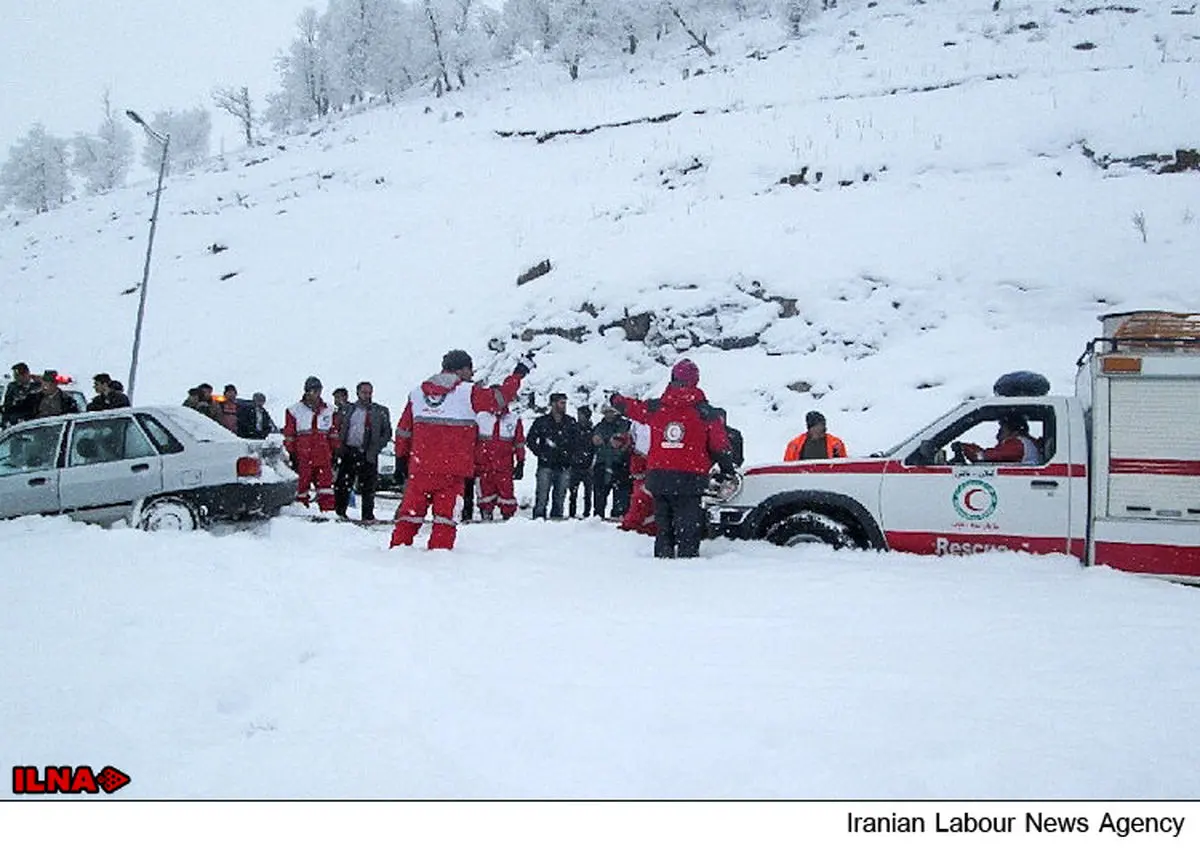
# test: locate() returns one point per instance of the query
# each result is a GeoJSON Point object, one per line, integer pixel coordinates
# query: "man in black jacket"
{"type": "Point", "coordinates": [366, 427]}
{"type": "Point", "coordinates": [54, 401]}
{"type": "Point", "coordinates": [106, 396]}
{"type": "Point", "coordinates": [253, 420]}
{"type": "Point", "coordinates": [21, 397]}
{"type": "Point", "coordinates": [552, 439]}
{"type": "Point", "coordinates": [581, 465]}
{"type": "Point", "coordinates": [610, 438]}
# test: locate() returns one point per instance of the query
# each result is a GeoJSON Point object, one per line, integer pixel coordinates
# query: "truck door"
{"type": "Point", "coordinates": [28, 470]}
{"type": "Point", "coordinates": [933, 502]}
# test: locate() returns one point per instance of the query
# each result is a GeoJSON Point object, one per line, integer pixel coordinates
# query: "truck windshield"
{"type": "Point", "coordinates": [932, 427]}
{"type": "Point", "coordinates": [895, 449]}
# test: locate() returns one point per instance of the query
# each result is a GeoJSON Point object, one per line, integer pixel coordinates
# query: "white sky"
{"type": "Point", "coordinates": [58, 56]}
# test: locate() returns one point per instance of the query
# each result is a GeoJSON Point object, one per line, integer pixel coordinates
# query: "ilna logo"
{"type": "Point", "coordinates": [67, 780]}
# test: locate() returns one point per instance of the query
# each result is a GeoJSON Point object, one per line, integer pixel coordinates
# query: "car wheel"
{"type": "Point", "coordinates": [167, 514]}
{"type": "Point", "coordinates": [809, 528]}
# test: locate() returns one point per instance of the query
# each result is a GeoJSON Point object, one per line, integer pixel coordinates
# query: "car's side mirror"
{"type": "Point", "coordinates": [923, 455]}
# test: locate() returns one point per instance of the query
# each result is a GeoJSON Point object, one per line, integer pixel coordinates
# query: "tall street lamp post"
{"type": "Point", "coordinates": [164, 140]}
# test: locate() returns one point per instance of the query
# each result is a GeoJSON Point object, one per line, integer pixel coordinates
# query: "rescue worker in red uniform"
{"type": "Point", "coordinates": [1013, 444]}
{"type": "Point", "coordinates": [311, 440]}
{"type": "Point", "coordinates": [639, 517]}
{"type": "Point", "coordinates": [436, 435]}
{"type": "Point", "coordinates": [498, 451]}
{"type": "Point", "coordinates": [686, 438]}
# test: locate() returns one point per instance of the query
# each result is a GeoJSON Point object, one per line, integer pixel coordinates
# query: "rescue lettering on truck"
{"type": "Point", "coordinates": [1109, 475]}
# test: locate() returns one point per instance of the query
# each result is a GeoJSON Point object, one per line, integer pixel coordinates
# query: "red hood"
{"type": "Point", "coordinates": [682, 396]}
{"type": "Point", "coordinates": [440, 384]}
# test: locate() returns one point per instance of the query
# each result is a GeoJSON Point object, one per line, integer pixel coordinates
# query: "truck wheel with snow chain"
{"type": "Point", "coordinates": [807, 527]}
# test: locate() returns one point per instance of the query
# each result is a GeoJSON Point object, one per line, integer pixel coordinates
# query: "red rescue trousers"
{"type": "Point", "coordinates": [496, 490]}
{"type": "Point", "coordinates": [639, 517]}
{"type": "Point", "coordinates": [441, 491]}
{"type": "Point", "coordinates": [315, 470]}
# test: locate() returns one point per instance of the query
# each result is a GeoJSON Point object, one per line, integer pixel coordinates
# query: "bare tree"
{"type": "Point", "coordinates": [236, 102]}
{"type": "Point", "coordinates": [441, 82]}
{"type": "Point", "coordinates": [103, 159]}
{"type": "Point", "coordinates": [700, 41]}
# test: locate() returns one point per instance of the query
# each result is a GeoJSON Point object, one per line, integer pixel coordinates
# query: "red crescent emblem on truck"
{"type": "Point", "coordinates": [967, 500]}
{"type": "Point", "coordinates": [975, 499]}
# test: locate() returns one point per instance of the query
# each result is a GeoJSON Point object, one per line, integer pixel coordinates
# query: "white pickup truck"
{"type": "Point", "coordinates": [1116, 481]}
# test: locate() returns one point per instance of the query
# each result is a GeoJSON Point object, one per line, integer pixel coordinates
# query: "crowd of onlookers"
{"type": "Point", "coordinates": [29, 396]}
{"type": "Point", "coordinates": [247, 418]}
{"type": "Point", "coordinates": [596, 459]}
{"type": "Point", "coordinates": [584, 467]}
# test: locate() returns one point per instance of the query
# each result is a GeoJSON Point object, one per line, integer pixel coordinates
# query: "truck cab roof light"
{"type": "Point", "coordinates": [1121, 365]}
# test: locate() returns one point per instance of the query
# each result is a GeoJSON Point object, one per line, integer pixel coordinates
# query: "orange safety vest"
{"type": "Point", "coordinates": [834, 446]}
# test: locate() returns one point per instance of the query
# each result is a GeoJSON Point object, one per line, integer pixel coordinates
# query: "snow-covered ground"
{"type": "Point", "coordinates": [563, 661]}
{"type": "Point", "coordinates": [560, 660]}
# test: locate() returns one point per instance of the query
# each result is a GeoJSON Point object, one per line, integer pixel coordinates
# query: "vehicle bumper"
{"type": "Point", "coordinates": [729, 521]}
{"type": "Point", "coordinates": [234, 501]}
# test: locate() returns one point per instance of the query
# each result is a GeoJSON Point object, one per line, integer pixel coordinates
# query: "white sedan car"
{"type": "Point", "coordinates": [165, 467]}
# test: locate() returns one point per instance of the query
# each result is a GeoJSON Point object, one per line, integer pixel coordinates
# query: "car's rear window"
{"type": "Point", "coordinates": [199, 427]}
{"type": "Point", "coordinates": [163, 438]}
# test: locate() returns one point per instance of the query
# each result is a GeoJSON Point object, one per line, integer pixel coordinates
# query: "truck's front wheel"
{"type": "Point", "coordinates": [809, 528]}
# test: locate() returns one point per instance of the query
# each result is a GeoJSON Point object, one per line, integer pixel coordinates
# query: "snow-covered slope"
{"type": "Point", "coordinates": [987, 217]}
{"type": "Point", "coordinates": [959, 212]}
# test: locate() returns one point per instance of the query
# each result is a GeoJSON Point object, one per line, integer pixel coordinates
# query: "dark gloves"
{"type": "Point", "coordinates": [727, 469]}
{"type": "Point", "coordinates": [524, 365]}
{"type": "Point", "coordinates": [291, 460]}
{"type": "Point", "coordinates": [401, 472]}
{"type": "Point", "coordinates": [519, 470]}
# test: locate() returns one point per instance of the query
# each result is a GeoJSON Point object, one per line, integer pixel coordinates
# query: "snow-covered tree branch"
{"type": "Point", "coordinates": [236, 103]}
{"type": "Point", "coordinates": [103, 159]}
{"type": "Point", "coordinates": [35, 175]}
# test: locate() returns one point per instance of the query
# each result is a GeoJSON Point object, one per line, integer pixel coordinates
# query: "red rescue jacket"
{"type": "Point", "coordinates": [686, 434]}
{"type": "Point", "coordinates": [1020, 449]}
{"type": "Point", "coordinates": [438, 428]}
{"type": "Point", "coordinates": [309, 433]}
{"type": "Point", "coordinates": [501, 441]}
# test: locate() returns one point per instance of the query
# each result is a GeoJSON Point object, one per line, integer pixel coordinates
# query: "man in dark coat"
{"type": "Point", "coordinates": [552, 439]}
{"type": "Point", "coordinates": [610, 438]}
{"type": "Point", "coordinates": [205, 403]}
{"type": "Point", "coordinates": [366, 428]}
{"type": "Point", "coordinates": [22, 397]}
{"type": "Point", "coordinates": [106, 397]}
{"type": "Point", "coordinates": [581, 465]}
{"type": "Point", "coordinates": [54, 400]}
{"type": "Point", "coordinates": [686, 438]}
{"type": "Point", "coordinates": [253, 420]}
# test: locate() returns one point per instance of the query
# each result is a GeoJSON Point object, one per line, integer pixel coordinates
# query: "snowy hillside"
{"type": "Point", "coordinates": [975, 210]}
{"type": "Point", "coordinates": [875, 219]}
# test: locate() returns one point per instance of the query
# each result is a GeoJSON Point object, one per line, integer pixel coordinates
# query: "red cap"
{"type": "Point", "coordinates": [686, 373]}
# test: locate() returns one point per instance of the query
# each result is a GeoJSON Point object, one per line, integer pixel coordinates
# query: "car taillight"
{"type": "Point", "coordinates": [249, 466]}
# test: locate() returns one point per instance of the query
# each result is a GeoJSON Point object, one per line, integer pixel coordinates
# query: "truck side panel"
{"type": "Point", "coordinates": [1146, 469]}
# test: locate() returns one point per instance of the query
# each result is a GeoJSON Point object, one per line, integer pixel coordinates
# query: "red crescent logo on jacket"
{"type": "Point", "coordinates": [673, 435]}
